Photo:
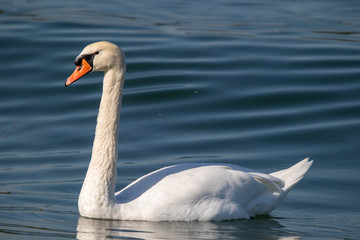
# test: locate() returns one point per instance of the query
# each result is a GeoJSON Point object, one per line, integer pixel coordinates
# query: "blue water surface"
{"type": "Point", "coordinates": [261, 84]}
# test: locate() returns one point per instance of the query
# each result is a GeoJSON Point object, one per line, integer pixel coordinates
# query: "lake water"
{"type": "Point", "coordinates": [261, 84]}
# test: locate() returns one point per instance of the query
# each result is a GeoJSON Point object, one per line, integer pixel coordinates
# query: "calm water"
{"type": "Point", "coordinates": [261, 84]}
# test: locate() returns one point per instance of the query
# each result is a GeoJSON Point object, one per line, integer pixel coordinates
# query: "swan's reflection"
{"type": "Point", "coordinates": [107, 229]}
{"type": "Point", "coordinates": [267, 228]}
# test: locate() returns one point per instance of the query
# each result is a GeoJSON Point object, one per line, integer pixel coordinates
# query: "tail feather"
{"type": "Point", "coordinates": [294, 174]}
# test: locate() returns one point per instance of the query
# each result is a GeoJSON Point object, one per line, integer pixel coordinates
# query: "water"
{"type": "Point", "coordinates": [261, 84]}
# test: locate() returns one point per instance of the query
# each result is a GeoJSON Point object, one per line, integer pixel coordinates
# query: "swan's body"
{"type": "Point", "coordinates": [183, 192]}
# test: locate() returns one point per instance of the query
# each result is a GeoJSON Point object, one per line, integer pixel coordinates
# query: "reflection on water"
{"type": "Point", "coordinates": [260, 228]}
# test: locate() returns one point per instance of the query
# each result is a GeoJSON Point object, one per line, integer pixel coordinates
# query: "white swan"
{"type": "Point", "coordinates": [183, 192]}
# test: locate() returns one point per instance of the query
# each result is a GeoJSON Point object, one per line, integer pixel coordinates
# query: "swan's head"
{"type": "Point", "coordinates": [98, 56]}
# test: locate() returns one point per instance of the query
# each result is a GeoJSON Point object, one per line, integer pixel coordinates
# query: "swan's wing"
{"type": "Point", "coordinates": [199, 192]}
{"type": "Point", "coordinates": [144, 183]}
{"type": "Point", "coordinates": [272, 183]}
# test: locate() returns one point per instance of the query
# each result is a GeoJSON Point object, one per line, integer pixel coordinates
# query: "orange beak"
{"type": "Point", "coordinates": [80, 71]}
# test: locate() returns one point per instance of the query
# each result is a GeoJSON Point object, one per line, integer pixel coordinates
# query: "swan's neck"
{"type": "Point", "coordinates": [97, 193]}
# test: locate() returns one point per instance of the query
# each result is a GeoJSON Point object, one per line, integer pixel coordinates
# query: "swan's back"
{"type": "Point", "coordinates": [202, 192]}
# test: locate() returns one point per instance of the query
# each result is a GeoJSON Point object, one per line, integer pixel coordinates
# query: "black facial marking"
{"type": "Point", "coordinates": [78, 60]}
{"type": "Point", "coordinates": [88, 57]}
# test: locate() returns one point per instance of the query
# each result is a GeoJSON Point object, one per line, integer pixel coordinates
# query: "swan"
{"type": "Point", "coordinates": [183, 192]}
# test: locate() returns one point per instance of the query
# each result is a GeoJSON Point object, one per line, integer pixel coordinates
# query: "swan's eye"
{"type": "Point", "coordinates": [96, 53]}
